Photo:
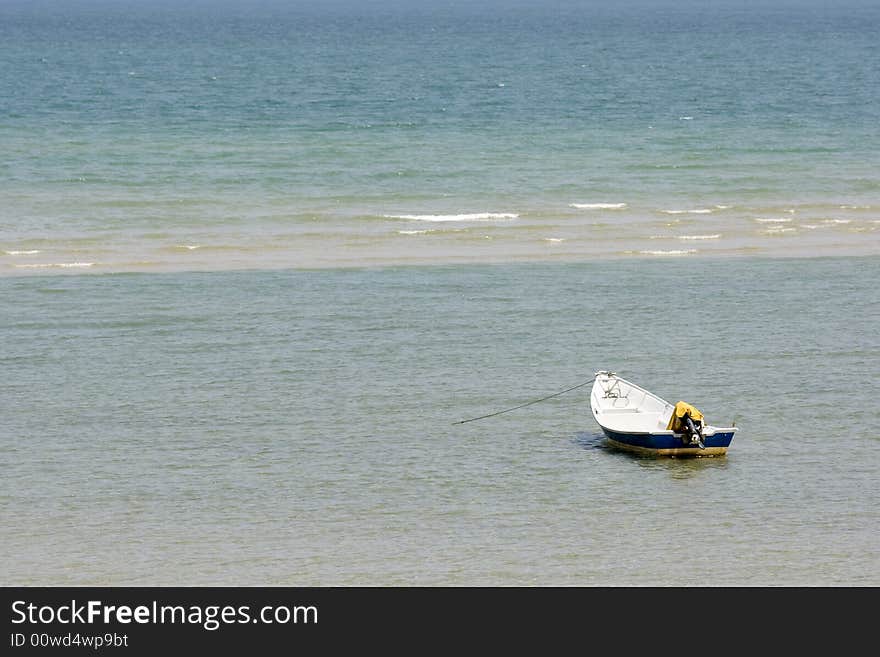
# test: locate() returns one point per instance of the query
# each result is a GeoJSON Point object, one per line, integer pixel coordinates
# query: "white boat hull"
{"type": "Point", "coordinates": [636, 420]}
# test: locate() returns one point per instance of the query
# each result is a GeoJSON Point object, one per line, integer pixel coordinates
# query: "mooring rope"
{"type": "Point", "coordinates": [507, 410]}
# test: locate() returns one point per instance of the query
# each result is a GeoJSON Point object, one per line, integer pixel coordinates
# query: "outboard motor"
{"type": "Point", "coordinates": [687, 421]}
{"type": "Point", "coordinates": [694, 431]}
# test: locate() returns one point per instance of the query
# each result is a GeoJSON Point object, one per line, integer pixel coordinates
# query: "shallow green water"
{"type": "Point", "coordinates": [296, 427]}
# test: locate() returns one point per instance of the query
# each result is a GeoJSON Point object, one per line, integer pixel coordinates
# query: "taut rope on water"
{"type": "Point", "coordinates": [535, 401]}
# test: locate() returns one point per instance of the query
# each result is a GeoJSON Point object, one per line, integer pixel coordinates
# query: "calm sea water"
{"type": "Point", "coordinates": [256, 259]}
{"type": "Point", "coordinates": [145, 136]}
{"type": "Point", "coordinates": [297, 427]}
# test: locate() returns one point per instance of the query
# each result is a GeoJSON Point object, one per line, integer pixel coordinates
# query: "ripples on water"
{"type": "Point", "coordinates": [292, 424]}
{"type": "Point", "coordinates": [297, 428]}
{"type": "Point", "coordinates": [348, 135]}
{"type": "Point", "coordinates": [475, 237]}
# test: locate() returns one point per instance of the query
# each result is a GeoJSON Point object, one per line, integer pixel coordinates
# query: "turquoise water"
{"type": "Point", "coordinates": [149, 137]}
{"type": "Point", "coordinates": [256, 260]}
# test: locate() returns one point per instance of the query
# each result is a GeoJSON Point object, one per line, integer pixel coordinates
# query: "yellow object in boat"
{"type": "Point", "coordinates": [676, 422]}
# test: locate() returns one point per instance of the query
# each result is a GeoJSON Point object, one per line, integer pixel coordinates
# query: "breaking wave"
{"type": "Point", "coordinates": [597, 206]}
{"type": "Point", "coordinates": [700, 237]}
{"type": "Point", "coordinates": [697, 211]}
{"type": "Point", "coordinates": [666, 253]}
{"type": "Point", "coordinates": [56, 264]}
{"type": "Point", "coordinates": [476, 216]}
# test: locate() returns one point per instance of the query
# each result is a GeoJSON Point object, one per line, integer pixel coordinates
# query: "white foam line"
{"type": "Point", "coordinates": [773, 220]}
{"type": "Point", "coordinates": [697, 211]}
{"type": "Point", "coordinates": [554, 239]}
{"type": "Point", "coordinates": [673, 252]}
{"type": "Point", "coordinates": [597, 206]}
{"type": "Point", "coordinates": [476, 216]}
{"type": "Point", "coordinates": [57, 264]}
{"type": "Point", "coordinates": [19, 253]}
{"type": "Point", "coordinates": [700, 237]}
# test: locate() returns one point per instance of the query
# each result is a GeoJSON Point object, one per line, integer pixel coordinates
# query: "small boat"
{"type": "Point", "coordinates": [634, 419]}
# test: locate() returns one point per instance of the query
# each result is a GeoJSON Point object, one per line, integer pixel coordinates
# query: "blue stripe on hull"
{"type": "Point", "coordinates": [668, 443]}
